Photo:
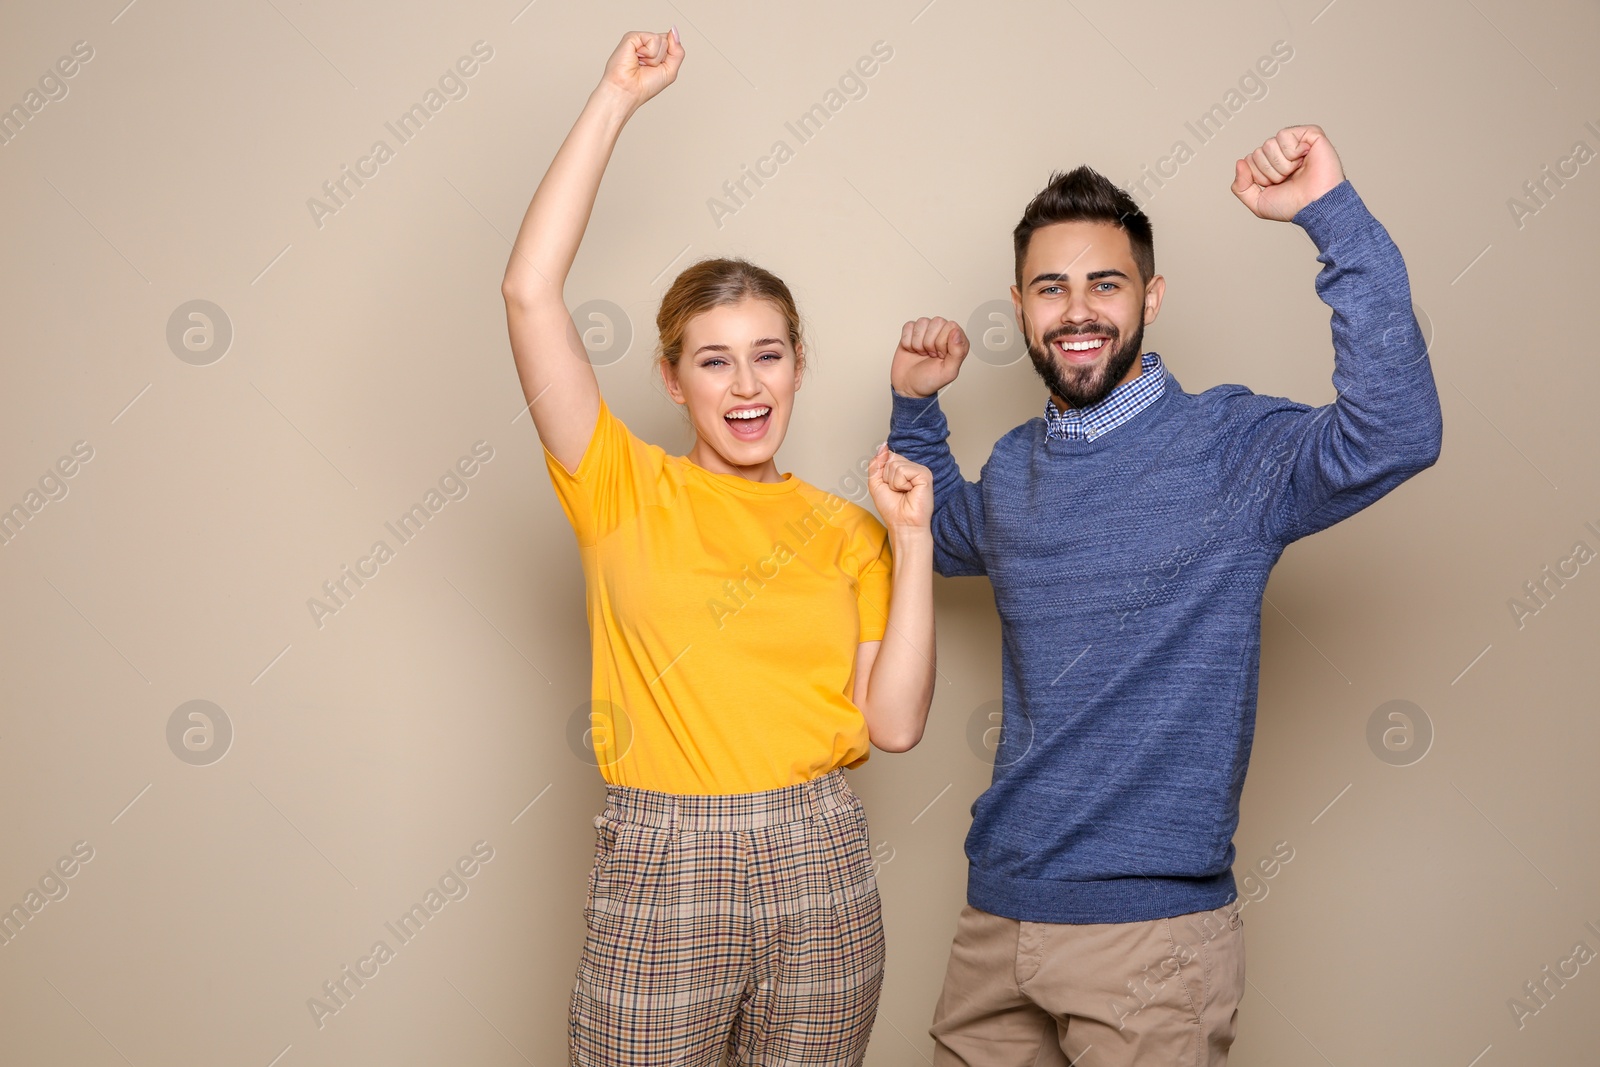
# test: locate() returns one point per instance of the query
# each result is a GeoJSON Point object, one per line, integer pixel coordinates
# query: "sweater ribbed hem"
{"type": "Point", "coordinates": [1112, 900]}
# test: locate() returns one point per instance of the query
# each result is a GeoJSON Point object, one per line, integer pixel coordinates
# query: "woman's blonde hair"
{"type": "Point", "coordinates": [715, 283]}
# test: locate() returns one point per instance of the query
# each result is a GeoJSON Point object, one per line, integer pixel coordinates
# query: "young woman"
{"type": "Point", "coordinates": [746, 649]}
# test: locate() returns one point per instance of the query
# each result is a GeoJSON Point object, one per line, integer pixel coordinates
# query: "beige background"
{"type": "Point", "coordinates": [369, 354]}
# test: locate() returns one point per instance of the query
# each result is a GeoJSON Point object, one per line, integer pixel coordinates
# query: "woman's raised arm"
{"type": "Point", "coordinates": [557, 380]}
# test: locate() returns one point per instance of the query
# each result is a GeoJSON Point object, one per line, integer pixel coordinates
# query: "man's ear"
{"type": "Point", "coordinates": [1152, 298]}
{"type": "Point", "coordinates": [1016, 310]}
{"type": "Point", "coordinates": [669, 378]}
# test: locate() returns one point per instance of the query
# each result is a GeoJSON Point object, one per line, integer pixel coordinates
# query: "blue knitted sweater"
{"type": "Point", "coordinates": [1128, 572]}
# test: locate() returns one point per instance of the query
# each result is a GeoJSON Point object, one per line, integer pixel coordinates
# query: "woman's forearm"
{"type": "Point", "coordinates": [553, 226]}
{"type": "Point", "coordinates": [900, 688]}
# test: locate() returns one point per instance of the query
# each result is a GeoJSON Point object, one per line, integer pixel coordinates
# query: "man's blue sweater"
{"type": "Point", "coordinates": [1128, 572]}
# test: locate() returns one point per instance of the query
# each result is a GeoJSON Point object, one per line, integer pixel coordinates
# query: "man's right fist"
{"type": "Point", "coordinates": [929, 356]}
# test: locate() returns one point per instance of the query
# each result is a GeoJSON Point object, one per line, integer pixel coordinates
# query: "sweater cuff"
{"type": "Point", "coordinates": [911, 412]}
{"type": "Point", "coordinates": [1337, 212]}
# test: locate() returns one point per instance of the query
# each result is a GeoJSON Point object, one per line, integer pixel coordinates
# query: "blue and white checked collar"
{"type": "Point", "coordinates": [1122, 404]}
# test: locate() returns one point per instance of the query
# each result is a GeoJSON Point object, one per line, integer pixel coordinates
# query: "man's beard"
{"type": "Point", "coordinates": [1081, 386]}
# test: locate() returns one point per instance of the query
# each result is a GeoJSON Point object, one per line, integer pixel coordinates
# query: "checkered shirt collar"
{"type": "Point", "coordinates": [1122, 404]}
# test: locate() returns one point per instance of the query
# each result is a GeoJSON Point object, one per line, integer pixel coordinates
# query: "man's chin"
{"type": "Point", "coordinates": [1082, 385]}
{"type": "Point", "coordinates": [1079, 384]}
{"type": "Point", "coordinates": [1083, 375]}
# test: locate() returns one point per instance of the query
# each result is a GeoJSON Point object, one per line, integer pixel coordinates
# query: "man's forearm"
{"type": "Point", "coordinates": [1388, 406]}
{"type": "Point", "coordinates": [918, 430]}
{"type": "Point", "coordinates": [1385, 424]}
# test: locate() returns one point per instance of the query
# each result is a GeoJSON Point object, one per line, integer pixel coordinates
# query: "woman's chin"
{"type": "Point", "coordinates": [745, 450]}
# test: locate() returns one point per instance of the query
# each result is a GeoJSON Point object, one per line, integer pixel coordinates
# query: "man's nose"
{"type": "Point", "coordinates": [1077, 309]}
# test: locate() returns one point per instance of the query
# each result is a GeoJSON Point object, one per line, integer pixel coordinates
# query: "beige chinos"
{"type": "Point", "coordinates": [1159, 993]}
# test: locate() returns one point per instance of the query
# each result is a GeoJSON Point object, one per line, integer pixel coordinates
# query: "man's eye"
{"type": "Point", "coordinates": [1108, 285]}
{"type": "Point", "coordinates": [1049, 289]}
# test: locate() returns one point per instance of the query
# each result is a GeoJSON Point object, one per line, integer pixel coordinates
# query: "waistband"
{"type": "Point", "coordinates": [728, 811]}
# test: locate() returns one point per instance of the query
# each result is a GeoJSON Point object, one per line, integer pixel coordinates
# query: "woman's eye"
{"type": "Point", "coordinates": [770, 355]}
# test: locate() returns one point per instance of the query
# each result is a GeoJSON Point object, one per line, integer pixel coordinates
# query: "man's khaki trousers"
{"type": "Point", "coordinates": [1160, 993]}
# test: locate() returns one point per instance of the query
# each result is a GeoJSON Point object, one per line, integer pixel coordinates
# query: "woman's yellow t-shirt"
{"type": "Point", "coordinates": [724, 617]}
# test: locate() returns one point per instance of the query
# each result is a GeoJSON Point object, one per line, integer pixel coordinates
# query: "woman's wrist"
{"type": "Point", "coordinates": [614, 102]}
{"type": "Point", "coordinates": [910, 539]}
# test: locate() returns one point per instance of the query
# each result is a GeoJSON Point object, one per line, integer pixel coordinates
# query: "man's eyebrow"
{"type": "Point", "coordinates": [1061, 276]}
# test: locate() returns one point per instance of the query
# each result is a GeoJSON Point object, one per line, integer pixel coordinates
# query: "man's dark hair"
{"type": "Point", "coordinates": [1083, 194]}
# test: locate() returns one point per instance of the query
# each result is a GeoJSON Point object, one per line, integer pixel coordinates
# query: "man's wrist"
{"type": "Point", "coordinates": [914, 418]}
{"type": "Point", "coordinates": [1331, 213]}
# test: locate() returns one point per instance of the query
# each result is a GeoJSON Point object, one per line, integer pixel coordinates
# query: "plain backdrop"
{"type": "Point", "coordinates": [346, 759]}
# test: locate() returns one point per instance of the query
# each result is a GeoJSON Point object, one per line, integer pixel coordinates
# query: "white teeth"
{"type": "Point", "coordinates": [748, 413]}
{"type": "Point", "coordinates": [1080, 346]}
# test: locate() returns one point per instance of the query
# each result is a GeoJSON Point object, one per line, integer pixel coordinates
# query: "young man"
{"type": "Point", "coordinates": [1128, 536]}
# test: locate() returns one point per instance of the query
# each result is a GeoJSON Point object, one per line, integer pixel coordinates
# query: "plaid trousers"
{"type": "Point", "coordinates": [738, 929]}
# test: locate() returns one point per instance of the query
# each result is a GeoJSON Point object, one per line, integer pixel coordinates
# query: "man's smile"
{"type": "Point", "coordinates": [1080, 350]}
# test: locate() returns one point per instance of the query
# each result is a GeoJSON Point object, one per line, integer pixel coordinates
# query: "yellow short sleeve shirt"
{"type": "Point", "coordinates": [724, 617]}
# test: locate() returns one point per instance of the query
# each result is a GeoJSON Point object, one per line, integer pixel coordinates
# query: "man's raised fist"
{"type": "Point", "coordinates": [929, 356]}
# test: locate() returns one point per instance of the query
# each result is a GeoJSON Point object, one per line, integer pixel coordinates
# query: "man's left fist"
{"type": "Point", "coordinates": [1289, 170]}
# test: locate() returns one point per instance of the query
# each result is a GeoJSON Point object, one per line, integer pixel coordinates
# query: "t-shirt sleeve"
{"type": "Point", "coordinates": [616, 477]}
{"type": "Point", "coordinates": [873, 582]}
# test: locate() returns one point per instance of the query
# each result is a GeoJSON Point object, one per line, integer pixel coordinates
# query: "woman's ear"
{"type": "Point", "coordinates": [669, 378]}
{"type": "Point", "coordinates": [799, 364]}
